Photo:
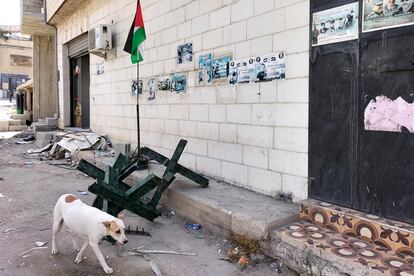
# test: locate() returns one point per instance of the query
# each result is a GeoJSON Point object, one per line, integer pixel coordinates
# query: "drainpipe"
{"type": "Point", "coordinates": [57, 76]}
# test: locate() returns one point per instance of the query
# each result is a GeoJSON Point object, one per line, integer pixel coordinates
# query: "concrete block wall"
{"type": "Point", "coordinates": [253, 135]}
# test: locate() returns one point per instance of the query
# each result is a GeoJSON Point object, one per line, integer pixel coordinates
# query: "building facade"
{"type": "Point", "coordinates": [253, 135]}
{"type": "Point", "coordinates": [16, 66]}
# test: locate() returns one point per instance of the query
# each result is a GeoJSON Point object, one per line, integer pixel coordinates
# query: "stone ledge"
{"type": "Point", "coordinates": [309, 260]}
{"type": "Point", "coordinates": [220, 208]}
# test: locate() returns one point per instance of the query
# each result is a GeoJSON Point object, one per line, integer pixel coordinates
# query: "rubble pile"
{"type": "Point", "coordinates": [69, 144]}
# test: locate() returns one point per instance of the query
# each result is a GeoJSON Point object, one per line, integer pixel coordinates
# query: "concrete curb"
{"type": "Point", "coordinates": [221, 208]}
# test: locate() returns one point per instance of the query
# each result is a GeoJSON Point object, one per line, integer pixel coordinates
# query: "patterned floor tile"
{"type": "Point", "coordinates": [349, 246]}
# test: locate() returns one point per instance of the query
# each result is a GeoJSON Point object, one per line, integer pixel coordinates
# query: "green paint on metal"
{"type": "Point", "coordinates": [113, 195]}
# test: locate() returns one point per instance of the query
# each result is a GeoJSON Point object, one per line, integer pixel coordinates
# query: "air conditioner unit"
{"type": "Point", "coordinates": [100, 40]}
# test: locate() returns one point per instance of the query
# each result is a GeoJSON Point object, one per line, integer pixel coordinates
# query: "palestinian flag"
{"type": "Point", "coordinates": [136, 37]}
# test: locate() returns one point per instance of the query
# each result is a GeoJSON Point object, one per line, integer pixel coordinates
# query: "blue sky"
{"type": "Point", "coordinates": [9, 12]}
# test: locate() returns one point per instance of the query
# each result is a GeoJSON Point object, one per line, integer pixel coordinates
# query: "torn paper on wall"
{"type": "Point", "coordinates": [384, 114]}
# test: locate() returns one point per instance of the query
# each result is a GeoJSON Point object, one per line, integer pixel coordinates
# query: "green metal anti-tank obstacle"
{"type": "Point", "coordinates": [114, 195]}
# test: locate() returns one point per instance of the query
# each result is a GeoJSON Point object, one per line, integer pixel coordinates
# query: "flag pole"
{"type": "Point", "coordinates": [138, 124]}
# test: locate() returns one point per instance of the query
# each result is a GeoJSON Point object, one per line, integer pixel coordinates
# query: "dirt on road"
{"type": "Point", "coordinates": [29, 189]}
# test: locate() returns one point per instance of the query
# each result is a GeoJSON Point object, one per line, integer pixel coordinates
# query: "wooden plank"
{"type": "Point", "coordinates": [90, 169]}
{"type": "Point", "coordinates": [172, 164]}
{"type": "Point", "coordinates": [120, 163]}
{"type": "Point", "coordinates": [199, 179]}
{"type": "Point", "coordinates": [109, 193]}
{"type": "Point", "coordinates": [143, 187]}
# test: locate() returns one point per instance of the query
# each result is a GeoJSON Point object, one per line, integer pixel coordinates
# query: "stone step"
{"type": "Point", "coordinates": [51, 121]}
{"type": "Point", "coordinates": [394, 235]}
{"type": "Point", "coordinates": [17, 128]}
{"type": "Point", "coordinates": [14, 122]}
{"type": "Point", "coordinates": [42, 126]}
{"type": "Point", "coordinates": [221, 208]}
{"type": "Point", "coordinates": [318, 250]}
{"type": "Point", "coordinates": [4, 126]}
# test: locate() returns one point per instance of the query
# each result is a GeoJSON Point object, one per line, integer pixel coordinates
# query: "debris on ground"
{"type": "Point", "coordinates": [1, 195]}
{"type": "Point", "coordinates": [169, 252]}
{"type": "Point", "coordinates": [30, 250]}
{"type": "Point", "coordinates": [44, 229]}
{"type": "Point", "coordinates": [82, 192]}
{"type": "Point", "coordinates": [137, 231]}
{"type": "Point", "coordinates": [28, 163]}
{"type": "Point", "coordinates": [8, 230]}
{"type": "Point", "coordinates": [276, 266]}
{"type": "Point", "coordinates": [169, 214]}
{"type": "Point", "coordinates": [40, 244]}
{"type": "Point", "coordinates": [29, 138]}
{"type": "Point", "coordinates": [154, 266]}
{"type": "Point", "coordinates": [21, 142]}
{"type": "Point", "coordinates": [244, 252]}
{"type": "Point", "coordinates": [243, 262]}
{"type": "Point", "coordinates": [194, 226]}
{"type": "Point", "coordinates": [74, 142]}
{"type": "Point", "coordinates": [68, 144]}
{"type": "Point", "coordinates": [195, 229]}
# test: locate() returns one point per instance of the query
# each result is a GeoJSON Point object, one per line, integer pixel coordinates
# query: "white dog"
{"type": "Point", "coordinates": [88, 222]}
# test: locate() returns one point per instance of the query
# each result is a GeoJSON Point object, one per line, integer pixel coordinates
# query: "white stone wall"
{"type": "Point", "coordinates": [252, 135]}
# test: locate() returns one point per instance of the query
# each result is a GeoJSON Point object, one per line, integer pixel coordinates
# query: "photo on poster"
{"type": "Point", "coordinates": [385, 114]}
{"type": "Point", "coordinates": [134, 87]}
{"type": "Point", "coordinates": [100, 69]}
{"type": "Point", "coordinates": [185, 53]}
{"type": "Point", "coordinates": [152, 87]}
{"type": "Point", "coordinates": [233, 74]}
{"type": "Point", "coordinates": [385, 14]}
{"type": "Point", "coordinates": [179, 83]}
{"type": "Point", "coordinates": [270, 67]}
{"type": "Point", "coordinates": [221, 67]}
{"type": "Point", "coordinates": [164, 83]}
{"type": "Point", "coordinates": [335, 25]}
{"type": "Point", "coordinates": [242, 71]}
{"type": "Point", "coordinates": [205, 73]}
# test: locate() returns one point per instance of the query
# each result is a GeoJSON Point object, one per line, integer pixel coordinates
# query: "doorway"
{"type": "Point", "coordinates": [79, 92]}
{"type": "Point", "coordinates": [370, 170]}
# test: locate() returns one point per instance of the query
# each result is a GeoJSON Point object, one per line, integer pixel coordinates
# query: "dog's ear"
{"type": "Point", "coordinates": [107, 224]}
{"type": "Point", "coordinates": [121, 216]}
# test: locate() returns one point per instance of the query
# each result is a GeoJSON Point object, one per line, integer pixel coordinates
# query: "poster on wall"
{"type": "Point", "coordinates": [335, 25]}
{"type": "Point", "coordinates": [178, 83]}
{"type": "Point", "coordinates": [385, 114]}
{"type": "Point", "coordinates": [205, 73]}
{"type": "Point", "coordinates": [164, 83]}
{"type": "Point", "coordinates": [152, 87]}
{"type": "Point", "coordinates": [385, 14]}
{"type": "Point", "coordinates": [242, 71]}
{"type": "Point", "coordinates": [135, 87]}
{"type": "Point", "coordinates": [100, 69]}
{"type": "Point", "coordinates": [270, 67]}
{"type": "Point", "coordinates": [185, 53]}
{"type": "Point", "coordinates": [221, 67]}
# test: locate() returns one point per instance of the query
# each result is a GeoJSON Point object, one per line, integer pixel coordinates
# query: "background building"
{"type": "Point", "coordinates": [33, 23]}
{"type": "Point", "coordinates": [16, 53]}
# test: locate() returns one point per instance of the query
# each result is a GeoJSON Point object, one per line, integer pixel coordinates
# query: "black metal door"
{"type": "Point", "coordinates": [332, 84]}
{"type": "Point", "coordinates": [386, 159]}
{"type": "Point", "coordinates": [371, 171]}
